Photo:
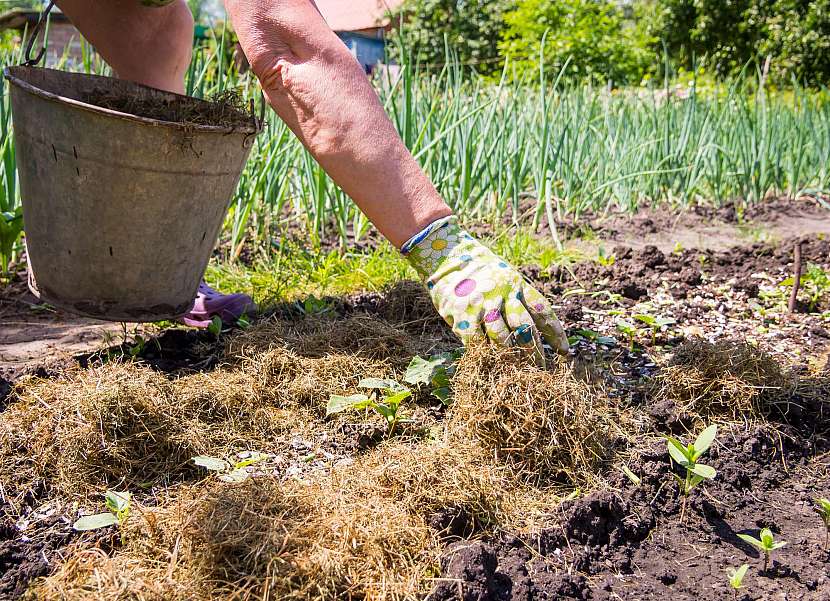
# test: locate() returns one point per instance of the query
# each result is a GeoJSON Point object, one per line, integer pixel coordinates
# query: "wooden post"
{"type": "Point", "coordinates": [796, 276]}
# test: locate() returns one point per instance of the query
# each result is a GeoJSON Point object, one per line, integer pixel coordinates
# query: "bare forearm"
{"type": "Point", "coordinates": [315, 85]}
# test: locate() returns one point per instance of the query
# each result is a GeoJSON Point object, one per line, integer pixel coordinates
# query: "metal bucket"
{"type": "Point", "coordinates": [121, 212]}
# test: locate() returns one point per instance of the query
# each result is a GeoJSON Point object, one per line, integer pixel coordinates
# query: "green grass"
{"type": "Point", "coordinates": [296, 272]}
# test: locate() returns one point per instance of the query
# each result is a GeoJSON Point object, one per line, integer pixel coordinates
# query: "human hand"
{"type": "Point", "coordinates": [478, 294]}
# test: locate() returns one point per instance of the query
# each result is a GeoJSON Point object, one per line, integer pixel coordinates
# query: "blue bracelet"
{"type": "Point", "coordinates": [419, 237]}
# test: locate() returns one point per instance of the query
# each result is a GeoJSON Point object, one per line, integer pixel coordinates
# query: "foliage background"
{"type": "Point", "coordinates": [627, 41]}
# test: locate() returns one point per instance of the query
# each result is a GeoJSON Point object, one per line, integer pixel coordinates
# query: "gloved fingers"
{"type": "Point", "coordinates": [495, 327]}
{"type": "Point", "coordinates": [523, 331]}
{"type": "Point", "coordinates": [545, 319]}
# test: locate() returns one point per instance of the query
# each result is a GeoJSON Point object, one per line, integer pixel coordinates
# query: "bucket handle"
{"type": "Point", "coordinates": [32, 62]}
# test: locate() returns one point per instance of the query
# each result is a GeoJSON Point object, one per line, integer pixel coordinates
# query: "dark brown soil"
{"type": "Point", "coordinates": [634, 272]}
{"type": "Point", "coordinates": [226, 110]}
{"type": "Point", "coordinates": [28, 553]}
{"type": "Point", "coordinates": [628, 542]}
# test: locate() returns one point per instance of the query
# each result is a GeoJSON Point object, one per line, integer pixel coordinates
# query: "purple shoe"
{"type": "Point", "coordinates": [209, 303]}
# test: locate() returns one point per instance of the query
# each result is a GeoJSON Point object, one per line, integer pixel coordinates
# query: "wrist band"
{"type": "Point", "coordinates": [417, 238]}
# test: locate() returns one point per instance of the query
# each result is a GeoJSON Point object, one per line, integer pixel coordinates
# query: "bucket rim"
{"type": "Point", "coordinates": [9, 74]}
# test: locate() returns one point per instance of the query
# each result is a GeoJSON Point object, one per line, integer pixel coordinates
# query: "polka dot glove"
{"type": "Point", "coordinates": [478, 293]}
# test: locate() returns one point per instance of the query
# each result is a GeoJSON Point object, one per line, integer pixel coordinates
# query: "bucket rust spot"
{"type": "Point", "coordinates": [54, 153]}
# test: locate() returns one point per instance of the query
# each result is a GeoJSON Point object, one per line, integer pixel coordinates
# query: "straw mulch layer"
{"type": "Point", "coordinates": [369, 527]}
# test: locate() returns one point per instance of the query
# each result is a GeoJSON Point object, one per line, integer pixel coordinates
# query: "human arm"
{"type": "Point", "coordinates": [314, 84]}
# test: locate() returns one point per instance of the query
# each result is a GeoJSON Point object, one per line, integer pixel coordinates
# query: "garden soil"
{"type": "Point", "coordinates": [500, 497]}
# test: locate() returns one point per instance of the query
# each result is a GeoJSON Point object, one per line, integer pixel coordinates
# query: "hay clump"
{"type": "Point", "coordinates": [363, 532]}
{"type": "Point", "coordinates": [549, 425]}
{"type": "Point", "coordinates": [361, 335]}
{"type": "Point", "coordinates": [732, 379]}
{"type": "Point", "coordinates": [90, 429]}
{"type": "Point", "coordinates": [123, 424]}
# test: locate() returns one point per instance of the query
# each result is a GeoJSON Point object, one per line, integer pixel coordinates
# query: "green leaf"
{"type": "Point", "coordinates": [215, 326]}
{"type": "Point", "coordinates": [117, 501]}
{"type": "Point", "coordinates": [778, 545]}
{"type": "Point", "coordinates": [420, 370]}
{"type": "Point", "coordinates": [388, 412]}
{"type": "Point", "coordinates": [824, 505]}
{"type": "Point", "coordinates": [213, 464]}
{"type": "Point", "coordinates": [677, 451]}
{"type": "Point", "coordinates": [649, 320]}
{"type": "Point", "coordinates": [380, 384]}
{"type": "Point", "coordinates": [705, 439]}
{"type": "Point", "coordinates": [752, 541]}
{"type": "Point", "coordinates": [695, 480]}
{"type": "Point", "coordinates": [338, 404]}
{"type": "Point", "coordinates": [665, 321]}
{"type": "Point", "coordinates": [587, 334]}
{"type": "Point", "coordinates": [95, 522]}
{"type": "Point", "coordinates": [444, 395]}
{"type": "Point", "coordinates": [250, 460]}
{"type": "Point", "coordinates": [607, 340]}
{"type": "Point", "coordinates": [736, 577]}
{"type": "Point", "coordinates": [704, 471]}
{"type": "Point", "coordinates": [395, 400]}
{"type": "Point", "coordinates": [235, 476]}
{"type": "Point", "coordinates": [766, 537]}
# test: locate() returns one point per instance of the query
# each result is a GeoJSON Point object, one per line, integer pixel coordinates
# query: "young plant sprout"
{"type": "Point", "coordinates": [655, 323]}
{"type": "Point", "coordinates": [686, 456]}
{"type": "Point", "coordinates": [118, 504]}
{"type": "Point", "coordinates": [766, 544]}
{"type": "Point", "coordinates": [628, 329]}
{"type": "Point", "coordinates": [230, 472]}
{"type": "Point", "coordinates": [823, 508]}
{"type": "Point", "coordinates": [434, 372]}
{"type": "Point", "coordinates": [386, 398]}
{"type": "Point", "coordinates": [736, 578]}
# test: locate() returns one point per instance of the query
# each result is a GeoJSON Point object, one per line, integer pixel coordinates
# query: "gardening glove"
{"type": "Point", "coordinates": [478, 294]}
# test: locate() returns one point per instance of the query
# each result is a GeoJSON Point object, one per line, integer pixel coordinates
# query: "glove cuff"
{"type": "Point", "coordinates": [432, 246]}
{"type": "Point", "coordinates": [420, 236]}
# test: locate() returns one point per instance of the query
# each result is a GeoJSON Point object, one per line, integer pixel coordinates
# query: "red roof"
{"type": "Point", "coordinates": [352, 15]}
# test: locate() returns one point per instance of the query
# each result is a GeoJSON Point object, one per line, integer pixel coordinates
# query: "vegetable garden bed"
{"type": "Point", "coordinates": [531, 484]}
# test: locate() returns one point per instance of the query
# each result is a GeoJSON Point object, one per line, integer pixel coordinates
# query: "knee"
{"type": "Point", "coordinates": [174, 29]}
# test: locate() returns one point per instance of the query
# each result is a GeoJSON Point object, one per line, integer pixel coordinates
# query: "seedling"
{"type": "Point", "coordinates": [230, 472]}
{"type": "Point", "coordinates": [138, 347]}
{"type": "Point", "coordinates": [592, 336]}
{"type": "Point", "coordinates": [628, 329]}
{"type": "Point", "coordinates": [386, 398]}
{"type": "Point", "coordinates": [435, 372]}
{"type": "Point", "coordinates": [766, 544]}
{"type": "Point", "coordinates": [686, 456]}
{"type": "Point", "coordinates": [118, 504]}
{"type": "Point", "coordinates": [313, 306]}
{"type": "Point", "coordinates": [823, 508]}
{"type": "Point", "coordinates": [655, 323]}
{"type": "Point", "coordinates": [736, 578]}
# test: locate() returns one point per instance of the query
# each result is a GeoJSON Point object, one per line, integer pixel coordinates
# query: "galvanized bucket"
{"type": "Point", "coordinates": [121, 212]}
